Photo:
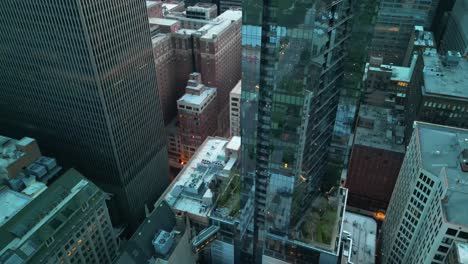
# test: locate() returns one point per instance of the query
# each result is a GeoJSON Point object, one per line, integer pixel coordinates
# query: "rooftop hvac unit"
{"type": "Point", "coordinates": [37, 170]}
{"type": "Point", "coordinates": [49, 163]}
{"type": "Point", "coordinates": [163, 242]}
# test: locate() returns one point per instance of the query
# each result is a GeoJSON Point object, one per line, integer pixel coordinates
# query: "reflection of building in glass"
{"type": "Point", "coordinates": [427, 212]}
{"type": "Point", "coordinates": [292, 64]}
{"type": "Point", "coordinates": [395, 24]}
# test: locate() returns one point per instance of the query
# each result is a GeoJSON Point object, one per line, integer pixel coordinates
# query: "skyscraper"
{"type": "Point", "coordinates": [292, 63]}
{"type": "Point", "coordinates": [79, 77]}
{"type": "Point", "coordinates": [427, 213]}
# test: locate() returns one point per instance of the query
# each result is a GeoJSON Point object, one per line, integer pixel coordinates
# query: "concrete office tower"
{"type": "Point", "coordinates": [395, 24]}
{"type": "Point", "coordinates": [197, 115]}
{"type": "Point", "coordinates": [83, 84]}
{"type": "Point", "coordinates": [442, 98]}
{"type": "Point", "coordinates": [67, 222]}
{"type": "Point", "coordinates": [376, 157]}
{"type": "Point", "coordinates": [234, 110]}
{"type": "Point", "coordinates": [427, 213]}
{"type": "Point", "coordinates": [456, 35]}
{"type": "Point", "coordinates": [293, 55]}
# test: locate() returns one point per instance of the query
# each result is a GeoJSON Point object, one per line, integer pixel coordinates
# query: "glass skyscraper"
{"type": "Point", "coordinates": [79, 77]}
{"type": "Point", "coordinates": [292, 65]}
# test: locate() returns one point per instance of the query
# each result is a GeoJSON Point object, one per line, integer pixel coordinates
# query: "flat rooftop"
{"type": "Point", "coordinates": [11, 202]}
{"type": "Point", "coordinates": [195, 99]}
{"type": "Point", "coordinates": [440, 148]}
{"type": "Point", "coordinates": [189, 191]}
{"type": "Point", "coordinates": [221, 23]}
{"type": "Point", "coordinates": [363, 230]}
{"type": "Point", "coordinates": [423, 38]}
{"type": "Point", "coordinates": [162, 21]}
{"type": "Point", "coordinates": [379, 128]}
{"type": "Point", "coordinates": [152, 3]}
{"type": "Point", "coordinates": [9, 152]}
{"type": "Point", "coordinates": [442, 80]}
{"type": "Point", "coordinates": [322, 230]}
{"type": "Point", "coordinates": [399, 73]}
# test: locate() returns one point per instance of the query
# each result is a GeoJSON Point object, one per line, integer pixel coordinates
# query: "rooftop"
{"type": "Point", "coordinates": [10, 151]}
{"type": "Point", "coordinates": [162, 21]}
{"type": "Point", "coordinates": [441, 79]}
{"type": "Point", "coordinates": [423, 38]}
{"type": "Point", "coordinates": [237, 89]}
{"type": "Point", "coordinates": [440, 148]}
{"type": "Point", "coordinates": [170, 6]}
{"type": "Point", "coordinates": [11, 202]}
{"type": "Point", "coordinates": [221, 23]}
{"type": "Point", "coordinates": [380, 128]}
{"type": "Point", "coordinates": [190, 191]}
{"type": "Point", "coordinates": [152, 3]}
{"type": "Point", "coordinates": [321, 224]}
{"type": "Point", "coordinates": [140, 249]}
{"type": "Point", "coordinates": [195, 99]}
{"type": "Point", "coordinates": [363, 231]}
{"type": "Point", "coordinates": [39, 215]}
{"type": "Point", "coordinates": [399, 73]}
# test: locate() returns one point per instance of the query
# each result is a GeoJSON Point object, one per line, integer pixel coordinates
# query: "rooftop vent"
{"type": "Point", "coordinates": [464, 160]}
{"type": "Point", "coordinates": [163, 242]}
{"type": "Point", "coordinates": [453, 58]}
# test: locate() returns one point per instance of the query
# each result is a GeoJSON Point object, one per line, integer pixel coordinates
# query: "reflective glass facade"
{"type": "Point", "coordinates": [292, 65]}
{"type": "Point", "coordinates": [79, 77]}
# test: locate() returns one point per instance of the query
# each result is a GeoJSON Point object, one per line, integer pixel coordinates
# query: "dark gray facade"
{"type": "Point", "coordinates": [79, 76]}
{"type": "Point", "coordinates": [395, 24]}
{"type": "Point", "coordinates": [292, 64]}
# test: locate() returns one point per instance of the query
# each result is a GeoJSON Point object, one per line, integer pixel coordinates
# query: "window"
{"type": "Point", "coordinates": [443, 249]}
{"type": "Point", "coordinates": [451, 232]}
{"type": "Point", "coordinates": [50, 241]}
{"type": "Point", "coordinates": [463, 235]}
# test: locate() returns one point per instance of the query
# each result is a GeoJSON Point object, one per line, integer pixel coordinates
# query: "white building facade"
{"type": "Point", "coordinates": [427, 213]}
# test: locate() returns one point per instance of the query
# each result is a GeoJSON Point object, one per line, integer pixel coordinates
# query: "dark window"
{"type": "Point", "coordinates": [451, 232]}
{"type": "Point", "coordinates": [443, 249]}
{"type": "Point", "coordinates": [463, 235]}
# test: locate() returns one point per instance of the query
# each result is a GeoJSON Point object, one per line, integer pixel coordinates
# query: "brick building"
{"type": "Point", "coordinates": [213, 49]}
{"type": "Point", "coordinates": [197, 115]}
{"type": "Point", "coordinates": [376, 158]}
